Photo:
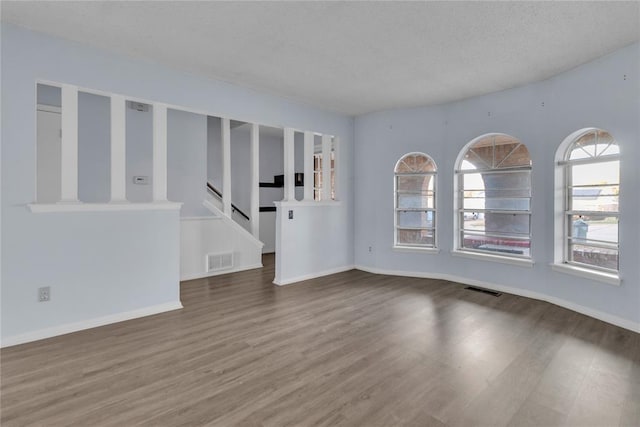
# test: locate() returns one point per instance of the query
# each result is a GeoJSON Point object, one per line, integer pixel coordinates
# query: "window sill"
{"type": "Point", "coordinates": [600, 276]}
{"type": "Point", "coordinates": [298, 203]}
{"type": "Point", "coordinates": [102, 207]}
{"type": "Point", "coordinates": [416, 249]}
{"type": "Point", "coordinates": [521, 262]}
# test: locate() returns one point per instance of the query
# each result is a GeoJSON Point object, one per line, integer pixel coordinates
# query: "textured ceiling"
{"type": "Point", "coordinates": [350, 57]}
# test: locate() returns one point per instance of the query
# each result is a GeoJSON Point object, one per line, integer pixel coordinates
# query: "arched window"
{"type": "Point", "coordinates": [493, 180]}
{"type": "Point", "coordinates": [415, 201]}
{"type": "Point", "coordinates": [589, 168]}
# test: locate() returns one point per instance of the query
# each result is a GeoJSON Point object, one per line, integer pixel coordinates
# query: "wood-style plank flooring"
{"type": "Point", "coordinates": [351, 349]}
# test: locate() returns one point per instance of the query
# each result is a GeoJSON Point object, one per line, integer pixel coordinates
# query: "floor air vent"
{"type": "Point", "coordinates": [222, 261]}
{"type": "Point", "coordinates": [484, 291]}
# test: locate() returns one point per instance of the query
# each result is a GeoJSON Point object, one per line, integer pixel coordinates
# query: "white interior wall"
{"type": "Point", "coordinates": [94, 148]}
{"type": "Point", "coordinates": [49, 95]}
{"type": "Point", "coordinates": [186, 161]}
{"type": "Point", "coordinates": [202, 236]}
{"type": "Point", "coordinates": [603, 94]}
{"type": "Point", "coordinates": [107, 266]}
{"type": "Point", "coordinates": [139, 151]}
{"type": "Point", "coordinates": [214, 152]}
{"type": "Point", "coordinates": [241, 168]}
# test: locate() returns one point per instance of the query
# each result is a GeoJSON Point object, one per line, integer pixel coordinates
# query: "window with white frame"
{"type": "Point", "coordinates": [591, 174]}
{"type": "Point", "coordinates": [493, 180]}
{"type": "Point", "coordinates": [415, 201]}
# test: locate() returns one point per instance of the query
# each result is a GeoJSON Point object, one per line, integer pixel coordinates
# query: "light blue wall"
{"type": "Point", "coordinates": [101, 264]}
{"type": "Point", "coordinates": [604, 94]}
{"type": "Point", "coordinates": [139, 151]}
{"type": "Point", "coordinates": [241, 168]}
{"type": "Point", "coordinates": [49, 95]}
{"type": "Point", "coordinates": [94, 148]}
{"type": "Point", "coordinates": [187, 161]}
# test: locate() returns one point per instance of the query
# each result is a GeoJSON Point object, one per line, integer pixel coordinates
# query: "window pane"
{"type": "Point", "coordinates": [515, 156]}
{"type": "Point", "coordinates": [496, 245]}
{"type": "Point", "coordinates": [495, 152]}
{"type": "Point", "coordinates": [414, 183]}
{"type": "Point", "coordinates": [472, 181]}
{"type": "Point", "coordinates": [411, 200]}
{"type": "Point", "coordinates": [594, 203]}
{"type": "Point", "coordinates": [499, 184]}
{"type": "Point", "coordinates": [598, 257]}
{"type": "Point", "coordinates": [511, 204]}
{"type": "Point", "coordinates": [602, 228]}
{"type": "Point", "coordinates": [492, 222]}
{"type": "Point", "coordinates": [499, 181]}
{"type": "Point", "coordinates": [421, 219]}
{"type": "Point", "coordinates": [415, 237]}
{"type": "Point", "coordinates": [593, 144]}
{"type": "Point", "coordinates": [596, 174]}
{"type": "Point", "coordinates": [415, 163]}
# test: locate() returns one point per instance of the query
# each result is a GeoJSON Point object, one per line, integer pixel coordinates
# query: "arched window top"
{"type": "Point", "coordinates": [415, 163]}
{"type": "Point", "coordinates": [591, 144]}
{"type": "Point", "coordinates": [494, 151]}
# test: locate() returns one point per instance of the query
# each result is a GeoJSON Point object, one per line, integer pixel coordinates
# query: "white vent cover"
{"type": "Point", "coordinates": [222, 261]}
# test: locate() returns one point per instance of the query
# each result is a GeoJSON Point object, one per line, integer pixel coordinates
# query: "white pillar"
{"type": "Point", "coordinates": [326, 167]}
{"type": "Point", "coordinates": [289, 165]}
{"type": "Point", "coordinates": [255, 180]}
{"type": "Point", "coordinates": [159, 153]}
{"type": "Point", "coordinates": [336, 164]}
{"type": "Point", "coordinates": [69, 145]}
{"type": "Point", "coordinates": [226, 166]}
{"type": "Point", "coordinates": [118, 150]}
{"type": "Point", "coordinates": [308, 165]}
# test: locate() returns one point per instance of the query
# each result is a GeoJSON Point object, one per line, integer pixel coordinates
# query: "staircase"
{"type": "Point", "coordinates": [217, 244]}
{"type": "Point", "coordinates": [214, 197]}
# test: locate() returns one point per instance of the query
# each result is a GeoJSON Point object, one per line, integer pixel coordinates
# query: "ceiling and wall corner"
{"type": "Point", "coordinates": [349, 57]}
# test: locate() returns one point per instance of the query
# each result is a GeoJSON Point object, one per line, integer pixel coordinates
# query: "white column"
{"type": "Point", "coordinates": [308, 165]}
{"type": "Point", "coordinates": [69, 145]}
{"type": "Point", "coordinates": [336, 166]}
{"type": "Point", "coordinates": [289, 166]}
{"type": "Point", "coordinates": [326, 167]}
{"type": "Point", "coordinates": [118, 150]}
{"type": "Point", "coordinates": [226, 166]}
{"type": "Point", "coordinates": [159, 153]}
{"type": "Point", "coordinates": [255, 180]}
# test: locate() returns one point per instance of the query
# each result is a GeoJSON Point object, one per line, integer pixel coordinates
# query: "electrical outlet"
{"type": "Point", "coordinates": [370, 248]}
{"type": "Point", "coordinates": [44, 293]}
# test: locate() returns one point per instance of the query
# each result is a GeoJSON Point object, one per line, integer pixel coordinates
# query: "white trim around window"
{"type": "Point", "coordinates": [415, 214]}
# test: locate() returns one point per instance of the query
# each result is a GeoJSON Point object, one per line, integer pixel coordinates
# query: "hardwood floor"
{"type": "Point", "coordinates": [351, 349]}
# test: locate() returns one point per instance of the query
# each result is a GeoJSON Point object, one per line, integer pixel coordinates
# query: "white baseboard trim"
{"type": "Point", "coordinates": [219, 273]}
{"type": "Point", "coordinates": [313, 275]}
{"type": "Point", "coordinates": [587, 311]}
{"type": "Point", "coordinates": [89, 323]}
